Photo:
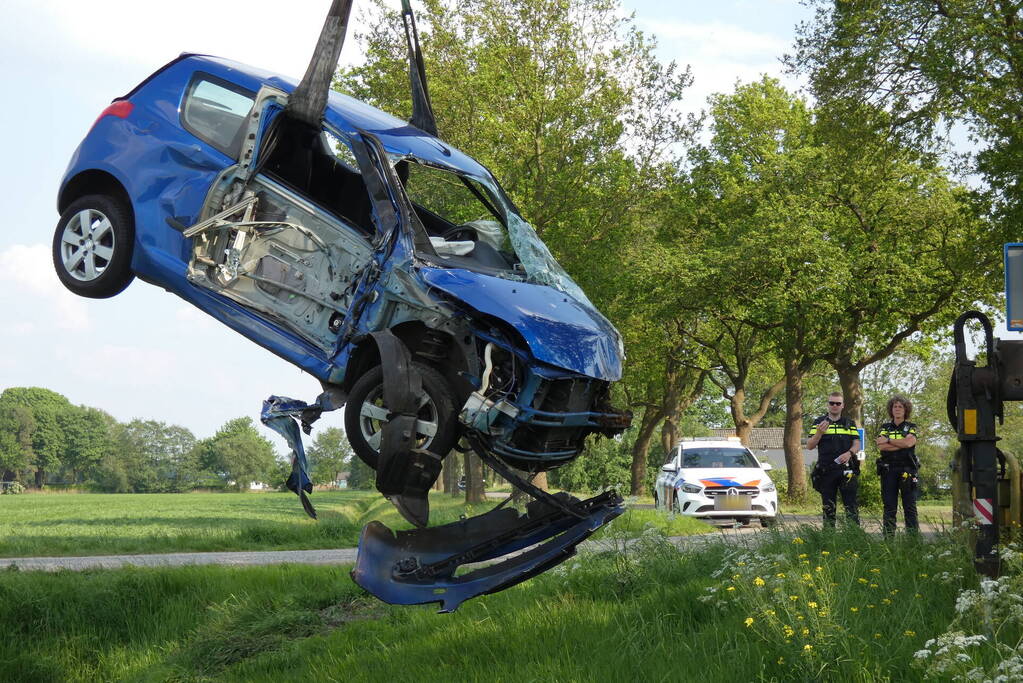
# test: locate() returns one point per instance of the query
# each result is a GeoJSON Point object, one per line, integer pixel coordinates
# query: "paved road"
{"type": "Point", "coordinates": [346, 556]}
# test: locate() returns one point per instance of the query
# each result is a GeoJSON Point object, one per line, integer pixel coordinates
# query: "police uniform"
{"type": "Point", "coordinates": [832, 478]}
{"type": "Point", "coordinates": [898, 472]}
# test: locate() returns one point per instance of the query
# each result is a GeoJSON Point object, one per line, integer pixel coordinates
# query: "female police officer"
{"type": "Point", "coordinates": [898, 465]}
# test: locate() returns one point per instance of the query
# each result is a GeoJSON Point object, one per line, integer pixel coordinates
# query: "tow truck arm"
{"type": "Point", "coordinates": [986, 482]}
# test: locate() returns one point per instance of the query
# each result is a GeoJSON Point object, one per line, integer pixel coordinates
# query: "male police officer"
{"type": "Point", "coordinates": [898, 465]}
{"type": "Point", "coordinates": [837, 470]}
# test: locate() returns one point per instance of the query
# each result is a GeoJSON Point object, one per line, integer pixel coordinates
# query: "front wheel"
{"type": "Point", "coordinates": [366, 414]}
{"type": "Point", "coordinates": [92, 246]}
{"type": "Point", "coordinates": [769, 522]}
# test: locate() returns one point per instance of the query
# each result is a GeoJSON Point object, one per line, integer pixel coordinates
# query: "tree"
{"type": "Point", "coordinates": [329, 455]}
{"type": "Point", "coordinates": [16, 431]}
{"type": "Point", "coordinates": [930, 63]}
{"type": "Point", "coordinates": [48, 438]}
{"type": "Point", "coordinates": [238, 454]}
{"type": "Point", "coordinates": [151, 456]}
{"type": "Point", "coordinates": [86, 436]}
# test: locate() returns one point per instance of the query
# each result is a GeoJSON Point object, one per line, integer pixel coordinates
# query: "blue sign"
{"type": "Point", "coordinates": [1014, 286]}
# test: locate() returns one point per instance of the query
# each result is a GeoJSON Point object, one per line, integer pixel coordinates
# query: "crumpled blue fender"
{"type": "Point", "coordinates": [283, 415]}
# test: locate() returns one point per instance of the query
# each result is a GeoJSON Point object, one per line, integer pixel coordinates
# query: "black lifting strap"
{"type": "Point", "coordinates": [404, 474]}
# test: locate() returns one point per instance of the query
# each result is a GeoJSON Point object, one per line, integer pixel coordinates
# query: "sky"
{"type": "Point", "coordinates": [146, 353]}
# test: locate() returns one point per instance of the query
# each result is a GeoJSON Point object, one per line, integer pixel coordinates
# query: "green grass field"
{"type": "Point", "coordinates": [103, 524]}
{"type": "Point", "coordinates": [804, 605]}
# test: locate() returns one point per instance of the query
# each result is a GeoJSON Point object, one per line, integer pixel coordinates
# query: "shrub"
{"type": "Point", "coordinates": [12, 488]}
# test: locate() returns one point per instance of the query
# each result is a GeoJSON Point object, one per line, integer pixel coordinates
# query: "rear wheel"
{"type": "Point", "coordinates": [366, 413]}
{"type": "Point", "coordinates": [92, 246]}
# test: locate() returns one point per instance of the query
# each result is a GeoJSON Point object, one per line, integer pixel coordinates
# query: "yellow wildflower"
{"type": "Point", "coordinates": [894, 591]}
{"type": "Point", "coordinates": [742, 564]}
{"type": "Point", "coordinates": [825, 552]}
{"type": "Point", "coordinates": [749, 621]}
{"type": "Point", "coordinates": [822, 613]}
{"type": "Point", "coordinates": [811, 605]}
{"type": "Point", "coordinates": [807, 577]}
{"type": "Point", "coordinates": [917, 596]}
{"type": "Point", "coordinates": [818, 568]}
{"type": "Point", "coordinates": [862, 580]}
{"type": "Point", "coordinates": [923, 576]}
{"type": "Point", "coordinates": [910, 634]}
{"type": "Point", "coordinates": [887, 601]}
{"type": "Point", "coordinates": [807, 647]}
{"type": "Point", "coordinates": [870, 607]}
{"type": "Point", "coordinates": [730, 588]}
{"type": "Point", "coordinates": [781, 660]}
{"type": "Point", "coordinates": [799, 617]}
{"type": "Point", "coordinates": [780, 575]}
{"type": "Point", "coordinates": [736, 577]}
{"type": "Point", "coordinates": [793, 598]}
{"type": "Point", "coordinates": [873, 585]}
{"type": "Point", "coordinates": [805, 631]}
{"type": "Point", "coordinates": [877, 635]}
{"type": "Point", "coordinates": [797, 541]}
{"type": "Point", "coordinates": [856, 554]}
{"type": "Point", "coordinates": [802, 556]}
{"type": "Point", "coordinates": [875, 570]}
{"type": "Point", "coordinates": [758, 581]}
{"type": "Point", "coordinates": [854, 609]}
{"type": "Point", "coordinates": [789, 631]}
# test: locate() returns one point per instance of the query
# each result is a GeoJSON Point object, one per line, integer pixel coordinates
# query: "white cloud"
{"type": "Point", "coordinates": [116, 364]}
{"type": "Point", "coordinates": [717, 41]}
{"type": "Point", "coordinates": [27, 270]}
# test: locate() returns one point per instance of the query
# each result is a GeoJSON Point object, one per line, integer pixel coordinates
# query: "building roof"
{"type": "Point", "coordinates": [761, 438]}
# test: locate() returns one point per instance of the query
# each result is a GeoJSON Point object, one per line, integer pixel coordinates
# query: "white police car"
{"type": "Point", "coordinates": [717, 479]}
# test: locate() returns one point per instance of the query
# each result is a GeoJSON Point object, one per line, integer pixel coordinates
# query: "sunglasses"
{"type": "Point", "coordinates": [834, 403]}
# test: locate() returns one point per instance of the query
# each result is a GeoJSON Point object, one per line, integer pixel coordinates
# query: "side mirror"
{"type": "Point", "coordinates": [766, 466]}
{"type": "Point", "coordinates": [670, 467]}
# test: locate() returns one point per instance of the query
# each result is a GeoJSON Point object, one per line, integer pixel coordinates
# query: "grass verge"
{"type": "Point", "coordinates": [791, 605]}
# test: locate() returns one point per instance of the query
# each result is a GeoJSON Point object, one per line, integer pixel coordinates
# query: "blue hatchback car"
{"type": "Point", "coordinates": [309, 241]}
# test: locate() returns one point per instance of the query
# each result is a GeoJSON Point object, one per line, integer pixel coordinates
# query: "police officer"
{"type": "Point", "coordinates": [898, 465]}
{"type": "Point", "coordinates": [837, 470]}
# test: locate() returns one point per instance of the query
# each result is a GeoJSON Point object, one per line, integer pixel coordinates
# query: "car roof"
{"type": "Point", "coordinates": [349, 115]}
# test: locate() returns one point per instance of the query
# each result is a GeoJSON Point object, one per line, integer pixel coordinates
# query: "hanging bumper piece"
{"type": "Point", "coordinates": [419, 566]}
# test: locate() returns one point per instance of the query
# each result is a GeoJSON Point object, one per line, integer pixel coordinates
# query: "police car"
{"type": "Point", "coordinates": [717, 479]}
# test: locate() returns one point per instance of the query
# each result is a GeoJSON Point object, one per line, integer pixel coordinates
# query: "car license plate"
{"type": "Point", "coordinates": [732, 503]}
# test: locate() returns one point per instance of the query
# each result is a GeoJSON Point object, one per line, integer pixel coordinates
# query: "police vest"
{"type": "Point", "coordinates": [904, 457]}
{"type": "Point", "coordinates": [836, 441]}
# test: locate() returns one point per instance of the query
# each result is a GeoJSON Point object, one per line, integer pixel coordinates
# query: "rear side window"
{"type": "Point", "coordinates": [215, 111]}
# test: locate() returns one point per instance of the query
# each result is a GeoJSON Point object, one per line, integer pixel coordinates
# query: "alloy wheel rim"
{"type": "Point", "coordinates": [87, 245]}
{"type": "Point", "coordinates": [373, 415]}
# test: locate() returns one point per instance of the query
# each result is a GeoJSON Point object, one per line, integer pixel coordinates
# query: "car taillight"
{"type": "Point", "coordinates": [119, 108]}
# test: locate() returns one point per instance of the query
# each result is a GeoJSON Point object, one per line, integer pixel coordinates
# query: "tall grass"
{"type": "Point", "coordinates": [788, 605]}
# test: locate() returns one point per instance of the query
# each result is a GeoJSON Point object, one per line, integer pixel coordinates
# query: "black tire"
{"type": "Point", "coordinates": [92, 246]}
{"type": "Point", "coordinates": [769, 522]}
{"type": "Point", "coordinates": [439, 407]}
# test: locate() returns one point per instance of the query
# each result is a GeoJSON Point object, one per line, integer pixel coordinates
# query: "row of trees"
{"type": "Point", "coordinates": [765, 243]}
{"type": "Point", "coordinates": [45, 438]}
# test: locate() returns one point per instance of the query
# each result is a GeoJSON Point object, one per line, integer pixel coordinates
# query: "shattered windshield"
{"type": "Point", "coordinates": [472, 225]}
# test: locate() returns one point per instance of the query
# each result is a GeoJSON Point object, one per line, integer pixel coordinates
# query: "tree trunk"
{"type": "Point", "coordinates": [852, 393]}
{"type": "Point", "coordinates": [451, 474]}
{"type": "Point", "coordinates": [641, 448]}
{"type": "Point", "coordinates": [40, 478]}
{"type": "Point", "coordinates": [794, 458]}
{"type": "Point", "coordinates": [669, 433]}
{"type": "Point", "coordinates": [473, 479]}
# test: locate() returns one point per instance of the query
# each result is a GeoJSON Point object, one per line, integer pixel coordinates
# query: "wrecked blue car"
{"type": "Point", "coordinates": [377, 258]}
